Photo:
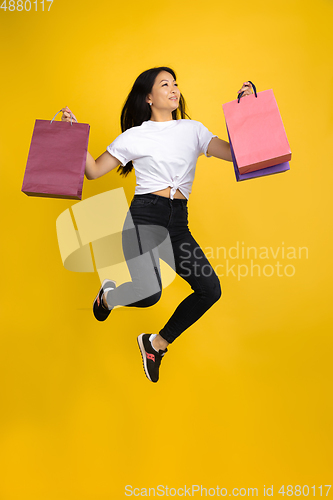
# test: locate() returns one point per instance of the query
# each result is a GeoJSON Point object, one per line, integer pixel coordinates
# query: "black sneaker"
{"type": "Point", "coordinates": [99, 310]}
{"type": "Point", "coordinates": [151, 358]}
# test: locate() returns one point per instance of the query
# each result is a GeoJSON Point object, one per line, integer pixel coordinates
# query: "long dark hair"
{"type": "Point", "coordinates": [136, 110]}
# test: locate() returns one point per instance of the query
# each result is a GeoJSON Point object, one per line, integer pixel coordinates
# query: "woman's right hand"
{"type": "Point", "coordinates": [67, 115]}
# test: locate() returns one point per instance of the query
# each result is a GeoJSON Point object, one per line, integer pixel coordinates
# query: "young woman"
{"type": "Point", "coordinates": [163, 147]}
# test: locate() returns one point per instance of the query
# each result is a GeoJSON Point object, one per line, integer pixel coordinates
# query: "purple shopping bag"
{"type": "Point", "coordinates": [57, 158]}
{"type": "Point", "coordinates": [281, 167]}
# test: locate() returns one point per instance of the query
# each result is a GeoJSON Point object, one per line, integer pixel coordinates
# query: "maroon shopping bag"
{"type": "Point", "coordinates": [57, 158]}
{"type": "Point", "coordinates": [256, 131]}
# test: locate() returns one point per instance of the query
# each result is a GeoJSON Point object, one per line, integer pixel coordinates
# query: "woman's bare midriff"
{"type": "Point", "coordinates": [166, 192]}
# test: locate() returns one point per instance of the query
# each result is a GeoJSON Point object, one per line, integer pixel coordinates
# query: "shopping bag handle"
{"type": "Point", "coordinates": [254, 88]}
{"type": "Point", "coordinates": [71, 117]}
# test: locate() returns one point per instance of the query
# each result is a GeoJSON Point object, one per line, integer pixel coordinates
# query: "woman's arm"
{"type": "Point", "coordinates": [104, 164]}
{"type": "Point", "coordinates": [220, 149]}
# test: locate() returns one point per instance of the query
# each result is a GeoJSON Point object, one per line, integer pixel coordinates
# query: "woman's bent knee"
{"type": "Point", "coordinates": [215, 291]}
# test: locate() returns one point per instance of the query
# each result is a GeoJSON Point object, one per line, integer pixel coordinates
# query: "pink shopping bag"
{"type": "Point", "coordinates": [275, 169]}
{"type": "Point", "coordinates": [256, 131]}
{"type": "Point", "coordinates": [57, 158]}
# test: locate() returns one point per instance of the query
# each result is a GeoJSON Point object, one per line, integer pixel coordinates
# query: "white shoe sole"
{"type": "Point", "coordinates": [143, 354]}
{"type": "Point", "coordinates": [102, 286]}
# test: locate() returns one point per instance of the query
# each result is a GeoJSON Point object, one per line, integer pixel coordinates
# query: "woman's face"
{"type": "Point", "coordinates": [165, 93]}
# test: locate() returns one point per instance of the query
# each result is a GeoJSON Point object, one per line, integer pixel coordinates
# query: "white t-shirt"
{"type": "Point", "coordinates": [163, 153]}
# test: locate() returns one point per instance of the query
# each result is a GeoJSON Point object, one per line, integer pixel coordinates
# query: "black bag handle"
{"type": "Point", "coordinates": [254, 88]}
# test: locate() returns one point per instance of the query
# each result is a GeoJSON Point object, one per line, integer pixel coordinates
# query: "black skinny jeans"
{"type": "Point", "coordinates": [161, 231]}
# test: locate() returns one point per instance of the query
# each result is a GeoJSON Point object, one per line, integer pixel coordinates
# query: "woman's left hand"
{"type": "Point", "coordinates": [247, 89]}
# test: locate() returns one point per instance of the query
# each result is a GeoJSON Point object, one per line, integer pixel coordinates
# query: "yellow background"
{"type": "Point", "coordinates": [245, 395]}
